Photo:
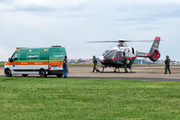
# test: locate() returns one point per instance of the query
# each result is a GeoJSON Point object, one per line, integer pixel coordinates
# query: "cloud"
{"type": "Point", "coordinates": [34, 8]}
{"type": "Point", "coordinates": [42, 5]}
{"type": "Point", "coordinates": [149, 14]}
{"type": "Point", "coordinates": [60, 9]}
{"type": "Point", "coordinates": [154, 2]}
{"type": "Point", "coordinates": [5, 1]}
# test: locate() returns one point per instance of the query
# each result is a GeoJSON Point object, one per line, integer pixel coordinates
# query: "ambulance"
{"type": "Point", "coordinates": [41, 61]}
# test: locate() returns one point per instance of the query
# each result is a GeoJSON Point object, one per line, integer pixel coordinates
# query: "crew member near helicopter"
{"type": "Point", "coordinates": [125, 62]}
{"type": "Point", "coordinates": [167, 65]}
{"type": "Point", "coordinates": [65, 67]}
{"type": "Point", "coordinates": [94, 64]}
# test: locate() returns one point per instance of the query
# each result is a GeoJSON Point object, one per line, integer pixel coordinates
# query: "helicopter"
{"type": "Point", "coordinates": [114, 57]}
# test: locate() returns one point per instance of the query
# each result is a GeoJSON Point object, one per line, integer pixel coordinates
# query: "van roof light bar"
{"type": "Point", "coordinates": [56, 46]}
{"type": "Point", "coordinates": [21, 47]}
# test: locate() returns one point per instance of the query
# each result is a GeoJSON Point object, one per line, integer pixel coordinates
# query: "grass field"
{"type": "Point", "coordinates": [93, 99]}
{"type": "Point", "coordinates": [2, 63]}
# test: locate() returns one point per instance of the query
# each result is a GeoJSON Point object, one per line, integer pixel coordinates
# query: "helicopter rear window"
{"type": "Point", "coordinates": [118, 54]}
{"type": "Point", "coordinates": [110, 55]}
{"type": "Point", "coordinates": [105, 52]}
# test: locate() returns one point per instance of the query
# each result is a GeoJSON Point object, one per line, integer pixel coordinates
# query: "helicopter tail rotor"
{"type": "Point", "coordinates": [155, 55]}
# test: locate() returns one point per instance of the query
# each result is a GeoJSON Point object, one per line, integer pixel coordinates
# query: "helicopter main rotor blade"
{"type": "Point", "coordinates": [136, 40]}
{"type": "Point", "coordinates": [120, 41]}
{"type": "Point", "coordinates": [100, 41]}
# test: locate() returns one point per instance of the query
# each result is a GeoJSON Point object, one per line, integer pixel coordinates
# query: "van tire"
{"type": "Point", "coordinates": [59, 75]}
{"type": "Point", "coordinates": [24, 75]}
{"type": "Point", "coordinates": [42, 73]}
{"type": "Point", "coordinates": [8, 72]}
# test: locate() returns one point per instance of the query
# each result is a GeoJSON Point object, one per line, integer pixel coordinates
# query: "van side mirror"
{"type": "Point", "coordinates": [10, 60]}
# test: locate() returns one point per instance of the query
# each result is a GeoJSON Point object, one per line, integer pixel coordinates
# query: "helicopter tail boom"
{"type": "Point", "coordinates": [154, 53]}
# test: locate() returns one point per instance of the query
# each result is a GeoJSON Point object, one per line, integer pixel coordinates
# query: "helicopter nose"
{"type": "Point", "coordinates": [101, 59]}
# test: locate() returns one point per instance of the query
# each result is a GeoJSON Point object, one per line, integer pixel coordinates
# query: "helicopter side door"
{"type": "Point", "coordinates": [118, 56]}
{"type": "Point", "coordinates": [128, 52]}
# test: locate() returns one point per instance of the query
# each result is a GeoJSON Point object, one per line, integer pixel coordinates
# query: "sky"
{"type": "Point", "coordinates": [71, 23]}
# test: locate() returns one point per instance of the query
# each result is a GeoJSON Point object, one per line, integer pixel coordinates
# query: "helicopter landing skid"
{"type": "Point", "coordinates": [130, 69]}
{"type": "Point", "coordinates": [116, 69]}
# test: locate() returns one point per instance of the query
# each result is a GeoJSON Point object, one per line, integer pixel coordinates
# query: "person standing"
{"type": "Point", "coordinates": [167, 65]}
{"type": "Point", "coordinates": [95, 63]}
{"type": "Point", "coordinates": [125, 62]}
{"type": "Point", "coordinates": [65, 67]}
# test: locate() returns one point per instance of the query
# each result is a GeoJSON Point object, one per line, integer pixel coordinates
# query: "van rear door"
{"type": "Point", "coordinates": [57, 55]}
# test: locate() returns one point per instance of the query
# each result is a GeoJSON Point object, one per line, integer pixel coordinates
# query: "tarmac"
{"type": "Point", "coordinates": [147, 73]}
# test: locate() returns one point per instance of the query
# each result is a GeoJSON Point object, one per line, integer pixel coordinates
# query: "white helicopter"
{"type": "Point", "coordinates": [114, 57]}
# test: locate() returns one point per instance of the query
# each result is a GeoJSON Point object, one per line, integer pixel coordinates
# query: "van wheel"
{"type": "Point", "coordinates": [24, 75]}
{"type": "Point", "coordinates": [8, 73]}
{"type": "Point", "coordinates": [42, 73]}
{"type": "Point", "coordinates": [59, 75]}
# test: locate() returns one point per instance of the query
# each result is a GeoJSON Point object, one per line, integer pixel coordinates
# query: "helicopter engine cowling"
{"type": "Point", "coordinates": [155, 55]}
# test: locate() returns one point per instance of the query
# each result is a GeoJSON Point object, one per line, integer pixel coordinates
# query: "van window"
{"type": "Point", "coordinates": [15, 57]}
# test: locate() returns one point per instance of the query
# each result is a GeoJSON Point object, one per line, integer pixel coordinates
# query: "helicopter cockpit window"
{"type": "Point", "coordinates": [105, 52]}
{"type": "Point", "coordinates": [110, 54]}
{"type": "Point", "coordinates": [118, 54]}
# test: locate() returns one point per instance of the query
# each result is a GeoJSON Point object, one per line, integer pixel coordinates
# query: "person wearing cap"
{"type": "Point", "coordinates": [125, 62]}
{"type": "Point", "coordinates": [94, 64]}
{"type": "Point", "coordinates": [167, 65]}
{"type": "Point", "coordinates": [65, 67]}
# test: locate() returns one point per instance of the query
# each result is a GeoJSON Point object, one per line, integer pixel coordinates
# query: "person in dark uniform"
{"type": "Point", "coordinates": [167, 65]}
{"type": "Point", "coordinates": [65, 67]}
{"type": "Point", "coordinates": [125, 62]}
{"type": "Point", "coordinates": [95, 63]}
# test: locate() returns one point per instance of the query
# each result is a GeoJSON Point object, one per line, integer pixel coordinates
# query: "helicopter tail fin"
{"type": "Point", "coordinates": [154, 53]}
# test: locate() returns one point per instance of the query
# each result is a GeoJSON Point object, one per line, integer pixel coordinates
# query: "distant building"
{"type": "Point", "coordinates": [137, 61]}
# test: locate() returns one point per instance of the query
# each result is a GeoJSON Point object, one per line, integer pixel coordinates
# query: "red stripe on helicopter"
{"type": "Point", "coordinates": [147, 55]}
{"type": "Point", "coordinates": [128, 58]}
